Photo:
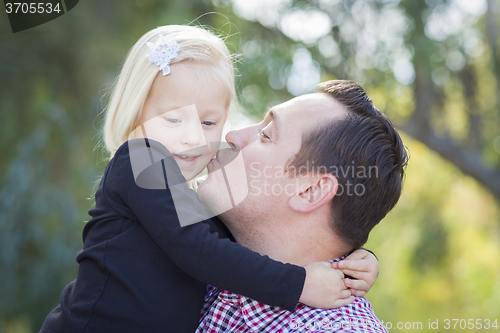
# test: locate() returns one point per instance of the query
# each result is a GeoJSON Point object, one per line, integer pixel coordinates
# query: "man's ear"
{"type": "Point", "coordinates": [321, 191]}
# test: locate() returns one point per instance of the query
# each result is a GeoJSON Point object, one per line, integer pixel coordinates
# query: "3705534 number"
{"type": "Point", "coordinates": [470, 324]}
{"type": "Point", "coordinates": [32, 8]}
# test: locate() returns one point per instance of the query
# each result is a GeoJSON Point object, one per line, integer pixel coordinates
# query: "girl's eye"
{"type": "Point", "coordinates": [173, 120]}
{"type": "Point", "coordinates": [208, 123]}
{"type": "Point", "coordinates": [264, 135]}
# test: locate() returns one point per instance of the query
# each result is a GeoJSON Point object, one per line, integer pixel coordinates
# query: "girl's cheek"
{"type": "Point", "coordinates": [215, 136]}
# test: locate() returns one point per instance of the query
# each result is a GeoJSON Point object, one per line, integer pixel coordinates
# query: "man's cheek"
{"type": "Point", "coordinates": [255, 189]}
{"type": "Point", "coordinates": [228, 185]}
{"type": "Point", "coordinates": [235, 177]}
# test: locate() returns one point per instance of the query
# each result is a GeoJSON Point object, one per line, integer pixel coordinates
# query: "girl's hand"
{"type": "Point", "coordinates": [361, 265]}
{"type": "Point", "coordinates": [324, 287]}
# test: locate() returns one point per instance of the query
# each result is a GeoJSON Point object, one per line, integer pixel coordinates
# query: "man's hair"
{"type": "Point", "coordinates": [366, 155]}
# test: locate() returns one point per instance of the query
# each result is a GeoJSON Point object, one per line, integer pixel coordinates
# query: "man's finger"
{"type": "Point", "coordinates": [342, 302]}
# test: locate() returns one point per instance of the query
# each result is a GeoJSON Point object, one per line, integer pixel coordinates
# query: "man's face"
{"type": "Point", "coordinates": [266, 148]}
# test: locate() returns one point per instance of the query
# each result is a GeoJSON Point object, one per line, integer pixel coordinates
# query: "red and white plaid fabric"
{"type": "Point", "coordinates": [234, 313]}
{"type": "Point", "coordinates": [228, 312]}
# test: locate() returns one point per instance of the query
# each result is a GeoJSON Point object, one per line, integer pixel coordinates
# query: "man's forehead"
{"type": "Point", "coordinates": [319, 104]}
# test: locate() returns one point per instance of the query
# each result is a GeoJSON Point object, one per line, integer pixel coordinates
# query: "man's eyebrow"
{"type": "Point", "coordinates": [272, 113]}
{"type": "Point", "coordinates": [276, 120]}
{"type": "Point", "coordinates": [274, 116]}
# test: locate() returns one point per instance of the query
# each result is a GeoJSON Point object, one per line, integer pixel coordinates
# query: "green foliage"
{"type": "Point", "coordinates": [439, 248]}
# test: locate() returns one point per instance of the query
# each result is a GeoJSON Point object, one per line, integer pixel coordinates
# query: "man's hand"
{"type": "Point", "coordinates": [324, 287]}
{"type": "Point", "coordinates": [361, 265]}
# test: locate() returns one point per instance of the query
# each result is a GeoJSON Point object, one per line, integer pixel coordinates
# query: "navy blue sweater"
{"type": "Point", "coordinates": [140, 271]}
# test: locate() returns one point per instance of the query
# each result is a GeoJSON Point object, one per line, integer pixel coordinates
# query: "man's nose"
{"type": "Point", "coordinates": [240, 137]}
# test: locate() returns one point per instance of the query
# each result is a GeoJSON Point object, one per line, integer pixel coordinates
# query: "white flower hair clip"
{"type": "Point", "coordinates": [163, 52]}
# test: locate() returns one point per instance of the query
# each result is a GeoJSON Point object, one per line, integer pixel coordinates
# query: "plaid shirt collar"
{"type": "Point", "coordinates": [254, 314]}
{"type": "Point", "coordinates": [213, 292]}
{"type": "Point", "coordinates": [226, 311]}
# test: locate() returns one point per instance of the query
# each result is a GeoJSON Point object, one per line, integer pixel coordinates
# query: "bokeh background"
{"type": "Point", "coordinates": [432, 66]}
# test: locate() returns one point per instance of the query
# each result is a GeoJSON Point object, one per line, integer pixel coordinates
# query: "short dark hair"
{"type": "Point", "coordinates": [353, 149]}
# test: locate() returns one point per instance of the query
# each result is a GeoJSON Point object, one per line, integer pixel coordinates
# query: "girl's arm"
{"type": "Point", "coordinates": [201, 254]}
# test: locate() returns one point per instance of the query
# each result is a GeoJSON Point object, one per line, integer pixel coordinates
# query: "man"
{"type": "Point", "coordinates": [321, 171]}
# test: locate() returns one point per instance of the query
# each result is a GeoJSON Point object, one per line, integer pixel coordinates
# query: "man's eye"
{"type": "Point", "coordinates": [264, 135]}
{"type": "Point", "coordinates": [209, 123]}
{"type": "Point", "coordinates": [173, 120]}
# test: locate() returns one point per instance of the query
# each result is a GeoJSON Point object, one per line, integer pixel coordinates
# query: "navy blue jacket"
{"type": "Point", "coordinates": [140, 271]}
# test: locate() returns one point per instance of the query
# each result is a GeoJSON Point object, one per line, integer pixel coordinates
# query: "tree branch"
{"type": "Point", "coordinates": [467, 160]}
{"type": "Point", "coordinates": [475, 123]}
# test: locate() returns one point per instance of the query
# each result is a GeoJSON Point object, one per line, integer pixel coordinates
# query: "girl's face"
{"type": "Point", "coordinates": [185, 111]}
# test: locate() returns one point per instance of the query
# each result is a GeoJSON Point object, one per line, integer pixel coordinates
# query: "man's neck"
{"type": "Point", "coordinates": [293, 242]}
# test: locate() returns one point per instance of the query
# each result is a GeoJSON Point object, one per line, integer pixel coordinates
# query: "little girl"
{"type": "Point", "coordinates": [139, 269]}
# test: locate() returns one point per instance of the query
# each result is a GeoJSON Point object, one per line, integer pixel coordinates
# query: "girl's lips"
{"type": "Point", "coordinates": [186, 160]}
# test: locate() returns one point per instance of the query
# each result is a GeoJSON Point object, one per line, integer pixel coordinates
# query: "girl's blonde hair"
{"type": "Point", "coordinates": [137, 75]}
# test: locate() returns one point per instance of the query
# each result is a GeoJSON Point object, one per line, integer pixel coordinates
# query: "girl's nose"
{"type": "Point", "coordinates": [193, 136]}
